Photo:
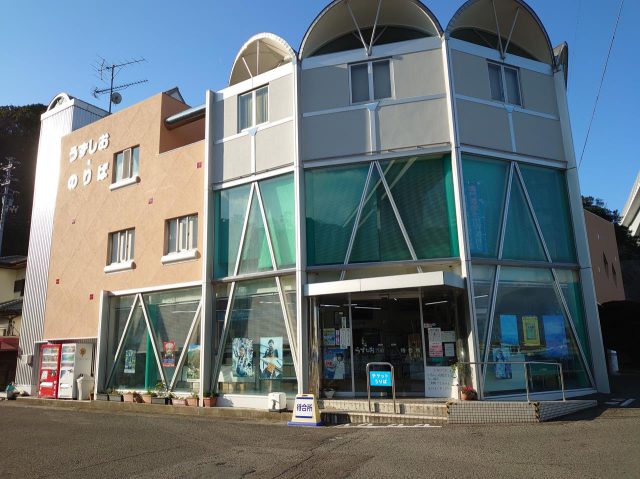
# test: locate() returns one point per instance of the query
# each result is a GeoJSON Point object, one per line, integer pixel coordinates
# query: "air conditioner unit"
{"type": "Point", "coordinates": [277, 402]}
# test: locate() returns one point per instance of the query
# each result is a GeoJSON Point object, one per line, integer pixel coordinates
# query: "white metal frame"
{"type": "Point", "coordinates": [254, 107]}
{"type": "Point", "coordinates": [371, 85]}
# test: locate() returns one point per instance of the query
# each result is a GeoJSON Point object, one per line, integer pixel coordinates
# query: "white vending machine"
{"type": "Point", "coordinates": [75, 359]}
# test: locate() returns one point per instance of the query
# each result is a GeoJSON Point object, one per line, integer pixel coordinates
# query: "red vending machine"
{"type": "Point", "coordinates": [49, 370]}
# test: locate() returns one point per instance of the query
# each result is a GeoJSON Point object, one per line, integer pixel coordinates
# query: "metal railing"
{"type": "Point", "coordinates": [393, 384]}
{"type": "Point", "coordinates": [483, 369]}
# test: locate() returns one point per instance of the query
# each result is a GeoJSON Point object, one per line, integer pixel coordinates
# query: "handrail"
{"type": "Point", "coordinates": [526, 373]}
{"type": "Point", "coordinates": [393, 384]}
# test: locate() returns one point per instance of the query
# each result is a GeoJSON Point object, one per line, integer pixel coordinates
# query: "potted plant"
{"type": "Point", "coordinates": [192, 399]}
{"type": "Point", "coordinates": [147, 396]}
{"type": "Point", "coordinates": [210, 399]}
{"type": "Point", "coordinates": [103, 396]}
{"type": "Point", "coordinates": [161, 395]}
{"type": "Point", "coordinates": [467, 393]}
{"type": "Point", "coordinates": [178, 401]}
{"type": "Point", "coordinates": [115, 395]}
{"type": "Point", "coordinates": [328, 392]}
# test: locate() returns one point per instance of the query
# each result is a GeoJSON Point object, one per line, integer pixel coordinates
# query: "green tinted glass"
{"type": "Point", "coordinates": [572, 292]}
{"type": "Point", "coordinates": [483, 278]}
{"type": "Point", "coordinates": [521, 239]}
{"type": "Point", "coordinates": [255, 254]}
{"type": "Point", "coordinates": [548, 193]}
{"type": "Point", "coordinates": [484, 191]}
{"type": "Point", "coordinates": [423, 192]}
{"type": "Point", "coordinates": [230, 212]}
{"type": "Point", "coordinates": [378, 236]}
{"type": "Point", "coordinates": [332, 199]}
{"type": "Point", "coordinates": [278, 199]}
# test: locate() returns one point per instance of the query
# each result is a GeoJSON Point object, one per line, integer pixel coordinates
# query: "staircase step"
{"type": "Point", "coordinates": [350, 417]}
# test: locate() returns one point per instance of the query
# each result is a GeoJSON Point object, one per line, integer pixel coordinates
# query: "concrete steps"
{"type": "Point", "coordinates": [356, 411]}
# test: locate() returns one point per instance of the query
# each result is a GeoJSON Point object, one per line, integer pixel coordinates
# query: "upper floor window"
{"type": "Point", "coordinates": [18, 286]}
{"type": "Point", "coordinates": [370, 81]}
{"type": "Point", "coordinates": [182, 234]}
{"type": "Point", "coordinates": [253, 108]}
{"type": "Point", "coordinates": [121, 246]}
{"type": "Point", "coordinates": [505, 84]}
{"type": "Point", "coordinates": [125, 165]}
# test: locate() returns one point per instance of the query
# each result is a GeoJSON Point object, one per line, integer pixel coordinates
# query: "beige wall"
{"type": "Point", "coordinates": [602, 243]}
{"type": "Point", "coordinates": [7, 279]}
{"type": "Point", "coordinates": [171, 185]}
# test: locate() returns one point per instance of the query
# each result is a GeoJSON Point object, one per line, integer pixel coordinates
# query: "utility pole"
{"type": "Point", "coordinates": [8, 194]}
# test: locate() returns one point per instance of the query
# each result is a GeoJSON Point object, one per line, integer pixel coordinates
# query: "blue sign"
{"type": "Point", "coordinates": [380, 378]}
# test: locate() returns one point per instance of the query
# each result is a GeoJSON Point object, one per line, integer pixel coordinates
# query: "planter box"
{"type": "Point", "coordinates": [128, 397]}
{"type": "Point", "coordinates": [157, 400]}
{"type": "Point", "coordinates": [192, 401]}
{"type": "Point", "coordinates": [179, 402]}
{"type": "Point", "coordinates": [102, 397]}
{"type": "Point", "coordinates": [146, 398]}
{"type": "Point", "coordinates": [115, 397]}
{"type": "Point", "coordinates": [209, 402]}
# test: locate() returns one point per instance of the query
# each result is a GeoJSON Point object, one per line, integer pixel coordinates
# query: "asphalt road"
{"type": "Point", "coordinates": [47, 442]}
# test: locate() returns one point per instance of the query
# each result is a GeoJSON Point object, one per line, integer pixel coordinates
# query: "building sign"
{"type": "Point", "coordinates": [86, 149]}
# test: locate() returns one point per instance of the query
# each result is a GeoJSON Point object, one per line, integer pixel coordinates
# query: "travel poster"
{"type": "Point", "coordinates": [130, 361]}
{"type": "Point", "coordinates": [336, 364]}
{"type": "Point", "coordinates": [329, 336]}
{"type": "Point", "coordinates": [192, 366]}
{"type": "Point", "coordinates": [168, 354]}
{"type": "Point", "coordinates": [501, 356]}
{"type": "Point", "coordinates": [531, 329]}
{"type": "Point", "coordinates": [509, 329]}
{"type": "Point", "coordinates": [242, 357]}
{"type": "Point", "coordinates": [271, 357]}
{"type": "Point", "coordinates": [555, 336]}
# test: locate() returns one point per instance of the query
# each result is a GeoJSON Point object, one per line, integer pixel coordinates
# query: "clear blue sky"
{"type": "Point", "coordinates": [50, 46]}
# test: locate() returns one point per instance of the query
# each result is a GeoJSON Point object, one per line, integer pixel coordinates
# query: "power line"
{"type": "Point", "coordinates": [604, 72]}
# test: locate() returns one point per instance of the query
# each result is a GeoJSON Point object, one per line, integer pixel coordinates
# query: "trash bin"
{"type": "Point", "coordinates": [612, 361]}
{"type": "Point", "coordinates": [85, 387]}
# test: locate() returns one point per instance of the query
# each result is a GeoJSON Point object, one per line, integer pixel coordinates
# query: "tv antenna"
{"type": "Point", "coordinates": [111, 70]}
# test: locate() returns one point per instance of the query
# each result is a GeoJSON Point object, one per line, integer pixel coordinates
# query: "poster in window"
{"type": "Point", "coordinates": [476, 218]}
{"type": "Point", "coordinates": [555, 336]}
{"type": "Point", "coordinates": [242, 357]}
{"type": "Point", "coordinates": [271, 357]}
{"type": "Point", "coordinates": [168, 354]}
{"type": "Point", "coordinates": [336, 364]}
{"type": "Point", "coordinates": [502, 356]}
{"type": "Point", "coordinates": [130, 361]}
{"type": "Point", "coordinates": [329, 337]}
{"type": "Point", "coordinates": [509, 329]}
{"type": "Point", "coordinates": [192, 365]}
{"type": "Point", "coordinates": [415, 347]}
{"type": "Point", "coordinates": [435, 335]}
{"type": "Point", "coordinates": [531, 330]}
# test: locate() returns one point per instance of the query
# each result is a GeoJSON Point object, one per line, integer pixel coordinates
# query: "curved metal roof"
{"type": "Point", "coordinates": [335, 20]}
{"type": "Point", "coordinates": [59, 99]}
{"type": "Point", "coordinates": [261, 53]}
{"type": "Point", "coordinates": [528, 32]}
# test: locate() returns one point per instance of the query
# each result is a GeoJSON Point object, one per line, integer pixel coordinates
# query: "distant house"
{"type": "Point", "coordinates": [631, 210]}
{"type": "Point", "coordinates": [12, 276]}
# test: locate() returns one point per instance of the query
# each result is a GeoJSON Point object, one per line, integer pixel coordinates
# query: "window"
{"type": "Point", "coordinates": [505, 84]}
{"type": "Point", "coordinates": [253, 108]}
{"type": "Point", "coordinates": [121, 246]}
{"type": "Point", "coordinates": [182, 234]}
{"type": "Point", "coordinates": [606, 264]}
{"type": "Point", "coordinates": [18, 287]}
{"type": "Point", "coordinates": [370, 81]}
{"type": "Point", "coordinates": [125, 166]}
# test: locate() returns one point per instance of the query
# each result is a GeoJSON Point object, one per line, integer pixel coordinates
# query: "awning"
{"type": "Point", "coordinates": [402, 281]}
{"type": "Point", "coordinates": [9, 343]}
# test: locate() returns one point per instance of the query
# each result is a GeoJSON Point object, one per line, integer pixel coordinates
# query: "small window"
{"type": "Point", "coordinates": [606, 264]}
{"type": "Point", "coordinates": [126, 164]}
{"type": "Point", "coordinates": [121, 246]}
{"type": "Point", "coordinates": [370, 81]}
{"type": "Point", "coordinates": [253, 108]}
{"type": "Point", "coordinates": [504, 82]}
{"type": "Point", "coordinates": [182, 234]}
{"type": "Point", "coordinates": [18, 287]}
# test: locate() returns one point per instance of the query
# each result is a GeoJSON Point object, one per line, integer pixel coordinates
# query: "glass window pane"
{"type": "Point", "coordinates": [257, 357]}
{"type": "Point", "coordinates": [135, 159]}
{"type": "Point", "coordinates": [245, 113]}
{"type": "Point", "coordinates": [513, 86]}
{"type": "Point", "coordinates": [521, 240]}
{"type": "Point", "coordinates": [183, 229]}
{"type": "Point", "coordinates": [231, 208]}
{"type": "Point", "coordinates": [289, 289]}
{"type": "Point", "coordinates": [193, 232]}
{"type": "Point", "coordinates": [262, 105]}
{"type": "Point", "coordinates": [529, 324]}
{"type": "Point", "coordinates": [119, 309]}
{"type": "Point", "coordinates": [419, 188]}
{"type": "Point", "coordinates": [485, 185]}
{"type": "Point", "coordinates": [255, 254]}
{"type": "Point", "coordinates": [132, 241]}
{"type": "Point", "coordinates": [118, 167]}
{"type": "Point", "coordinates": [381, 80]}
{"type": "Point", "coordinates": [572, 291]}
{"type": "Point", "coordinates": [279, 204]}
{"type": "Point", "coordinates": [136, 365]}
{"type": "Point", "coordinates": [332, 199]}
{"type": "Point", "coordinates": [115, 247]}
{"type": "Point", "coordinates": [483, 278]}
{"type": "Point", "coordinates": [171, 314]}
{"type": "Point", "coordinates": [189, 376]}
{"type": "Point", "coordinates": [359, 83]}
{"type": "Point", "coordinates": [495, 82]}
{"type": "Point", "coordinates": [547, 190]}
{"type": "Point", "coordinates": [173, 236]}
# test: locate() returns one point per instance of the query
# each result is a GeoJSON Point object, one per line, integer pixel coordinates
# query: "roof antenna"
{"type": "Point", "coordinates": [111, 70]}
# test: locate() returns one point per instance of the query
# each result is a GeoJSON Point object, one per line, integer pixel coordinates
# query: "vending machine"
{"type": "Point", "coordinates": [49, 370]}
{"type": "Point", "coordinates": [75, 359]}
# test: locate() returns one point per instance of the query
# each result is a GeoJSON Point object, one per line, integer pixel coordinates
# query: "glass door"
{"type": "Point", "coordinates": [335, 344]}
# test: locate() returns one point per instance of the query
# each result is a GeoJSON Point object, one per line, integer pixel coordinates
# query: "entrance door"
{"type": "Point", "coordinates": [387, 327]}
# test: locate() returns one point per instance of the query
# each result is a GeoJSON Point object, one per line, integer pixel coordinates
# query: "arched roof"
{"type": "Point", "coordinates": [528, 32]}
{"type": "Point", "coordinates": [59, 99]}
{"type": "Point", "coordinates": [336, 21]}
{"type": "Point", "coordinates": [261, 53]}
